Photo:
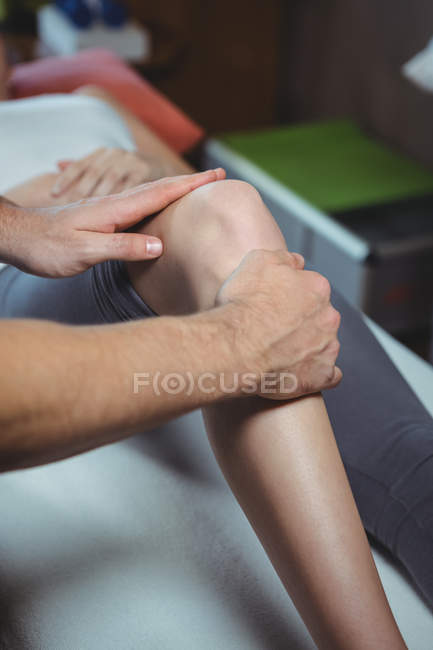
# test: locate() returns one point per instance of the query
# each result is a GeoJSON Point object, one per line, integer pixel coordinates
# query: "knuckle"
{"type": "Point", "coordinates": [136, 179]}
{"type": "Point", "coordinates": [329, 374]}
{"type": "Point", "coordinates": [321, 285]}
{"type": "Point", "coordinates": [142, 170]}
{"type": "Point", "coordinates": [72, 171]}
{"type": "Point", "coordinates": [332, 318]}
{"type": "Point", "coordinates": [91, 176]}
{"type": "Point", "coordinates": [334, 348]}
{"type": "Point", "coordinates": [123, 245]}
{"type": "Point", "coordinates": [337, 318]}
{"type": "Point", "coordinates": [277, 257]}
{"type": "Point", "coordinates": [290, 259]}
{"type": "Point", "coordinates": [113, 176]}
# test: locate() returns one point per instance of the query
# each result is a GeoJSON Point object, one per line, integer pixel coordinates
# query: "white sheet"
{"type": "Point", "coordinates": [142, 545]}
{"type": "Point", "coordinates": [37, 132]}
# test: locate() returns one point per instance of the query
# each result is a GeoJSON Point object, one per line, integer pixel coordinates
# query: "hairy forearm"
{"type": "Point", "coordinates": [9, 211]}
{"type": "Point", "coordinates": [64, 390]}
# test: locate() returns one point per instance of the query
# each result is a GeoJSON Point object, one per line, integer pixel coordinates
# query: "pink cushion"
{"type": "Point", "coordinates": [105, 69]}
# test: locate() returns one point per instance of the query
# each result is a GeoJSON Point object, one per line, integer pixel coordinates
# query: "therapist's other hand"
{"type": "Point", "coordinates": [65, 241]}
{"type": "Point", "coordinates": [105, 171]}
{"type": "Point", "coordinates": [285, 324]}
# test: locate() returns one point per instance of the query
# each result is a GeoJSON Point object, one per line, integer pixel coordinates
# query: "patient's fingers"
{"type": "Point", "coordinates": [73, 172]}
{"type": "Point", "coordinates": [99, 168]}
{"type": "Point", "coordinates": [63, 164]}
{"type": "Point", "coordinates": [137, 176]}
{"type": "Point", "coordinates": [109, 183]}
{"type": "Point", "coordinates": [125, 171]}
{"type": "Point", "coordinates": [125, 210]}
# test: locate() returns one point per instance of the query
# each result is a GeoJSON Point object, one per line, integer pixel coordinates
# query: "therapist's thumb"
{"type": "Point", "coordinates": [128, 247]}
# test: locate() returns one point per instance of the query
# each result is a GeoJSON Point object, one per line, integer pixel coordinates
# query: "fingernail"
{"type": "Point", "coordinates": [154, 247]}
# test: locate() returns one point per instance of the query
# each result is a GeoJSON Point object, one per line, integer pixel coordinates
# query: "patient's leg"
{"type": "Point", "coordinates": [34, 193]}
{"type": "Point", "coordinates": [281, 460]}
{"type": "Point", "coordinates": [385, 436]}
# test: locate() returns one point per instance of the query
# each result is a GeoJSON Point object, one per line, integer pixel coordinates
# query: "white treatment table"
{"type": "Point", "coordinates": [142, 545]}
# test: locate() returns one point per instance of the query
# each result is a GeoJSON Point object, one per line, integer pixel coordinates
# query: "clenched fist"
{"type": "Point", "coordinates": [284, 322]}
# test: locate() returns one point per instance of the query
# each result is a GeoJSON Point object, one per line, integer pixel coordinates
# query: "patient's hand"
{"type": "Point", "coordinates": [105, 171]}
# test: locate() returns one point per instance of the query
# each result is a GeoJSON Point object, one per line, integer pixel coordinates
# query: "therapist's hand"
{"type": "Point", "coordinates": [287, 322]}
{"type": "Point", "coordinates": [64, 241]}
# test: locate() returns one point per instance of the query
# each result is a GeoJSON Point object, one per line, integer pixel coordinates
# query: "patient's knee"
{"type": "Point", "coordinates": [228, 219]}
{"type": "Point", "coordinates": [206, 234]}
{"type": "Point", "coordinates": [223, 222]}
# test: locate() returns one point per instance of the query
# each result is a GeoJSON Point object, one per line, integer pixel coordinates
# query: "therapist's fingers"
{"type": "Point", "coordinates": [121, 211]}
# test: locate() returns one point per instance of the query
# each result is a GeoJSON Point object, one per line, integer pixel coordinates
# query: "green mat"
{"type": "Point", "coordinates": [333, 165]}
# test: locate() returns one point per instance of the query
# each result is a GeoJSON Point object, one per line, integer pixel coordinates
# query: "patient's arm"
{"type": "Point", "coordinates": [162, 161]}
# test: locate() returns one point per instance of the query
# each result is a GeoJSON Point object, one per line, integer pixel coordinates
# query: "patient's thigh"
{"type": "Point", "coordinates": [66, 300]}
{"type": "Point", "coordinates": [34, 193]}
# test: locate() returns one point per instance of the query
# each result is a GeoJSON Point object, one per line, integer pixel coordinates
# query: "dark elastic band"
{"type": "Point", "coordinates": [114, 294]}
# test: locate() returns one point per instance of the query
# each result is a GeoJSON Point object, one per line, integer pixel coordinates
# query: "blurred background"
{"type": "Point", "coordinates": [250, 72]}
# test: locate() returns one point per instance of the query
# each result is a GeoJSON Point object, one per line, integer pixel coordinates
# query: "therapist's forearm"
{"type": "Point", "coordinates": [7, 213]}
{"type": "Point", "coordinates": [65, 390]}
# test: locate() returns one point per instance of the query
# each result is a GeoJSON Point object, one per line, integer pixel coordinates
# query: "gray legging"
{"type": "Point", "coordinates": [384, 433]}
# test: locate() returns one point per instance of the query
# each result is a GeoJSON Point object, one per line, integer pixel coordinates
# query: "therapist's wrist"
{"type": "Point", "coordinates": [10, 219]}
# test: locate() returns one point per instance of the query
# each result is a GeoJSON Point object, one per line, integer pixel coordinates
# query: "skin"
{"type": "Point", "coordinates": [85, 233]}
{"type": "Point", "coordinates": [105, 171]}
{"type": "Point", "coordinates": [92, 400]}
{"type": "Point", "coordinates": [276, 457]}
